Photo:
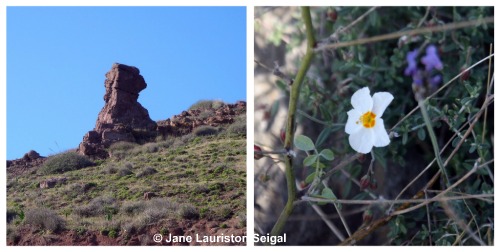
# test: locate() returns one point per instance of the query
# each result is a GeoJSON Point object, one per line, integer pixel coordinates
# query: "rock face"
{"type": "Point", "coordinates": [122, 118]}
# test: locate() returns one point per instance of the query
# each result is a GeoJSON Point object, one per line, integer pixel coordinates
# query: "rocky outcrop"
{"type": "Point", "coordinates": [149, 195]}
{"type": "Point", "coordinates": [29, 160]}
{"type": "Point", "coordinates": [122, 118]}
{"type": "Point", "coordinates": [188, 120]}
{"type": "Point", "coordinates": [51, 182]}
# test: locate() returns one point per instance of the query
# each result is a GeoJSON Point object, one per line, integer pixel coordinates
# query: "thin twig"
{"type": "Point", "coordinates": [428, 219]}
{"type": "Point", "coordinates": [341, 165]}
{"type": "Point", "coordinates": [487, 94]}
{"type": "Point", "coordinates": [440, 196]}
{"type": "Point", "coordinates": [422, 202]}
{"type": "Point", "coordinates": [330, 224]}
{"type": "Point", "coordinates": [395, 35]}
{"type": "Point", "coordinates": [425, 16]}
{"type": "Point", "coordinates": [342, 219]}
{"type": "Point", "coordinates": [342, 30]}
{"type": "Point", "coordinates": [451, 213]}
{"type": "Point", "coordinates": [432, 136]}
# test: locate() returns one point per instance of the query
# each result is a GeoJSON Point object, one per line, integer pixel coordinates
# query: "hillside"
{"type": "Point", "coordinates": [199, 183]}
{"type": "Point", "coordinates": [132, 178]}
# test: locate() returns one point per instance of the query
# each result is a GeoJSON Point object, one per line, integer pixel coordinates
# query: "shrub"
{"type": "Point", "coordinates": [205, 130]}
{"type": "Point", "coordinates": [187, 138]}
{"type": "Point", "coordinates": [131, 227]}
{"type": "Point", "coordinates": [73, 190]}
{"type": "Point", "coordinates": [121, 149]}
{"type": "Point", "coordinates": [181, 141]}
{"type": "Point", "coordinates": [242, 216]}
{"type": "Point", "coordinates": [165, 143]}
{"type": "Point", "coordinates": [217, 104]}
{"type": "Point", "coordinates": [202, 105]}
{"type": "Point", "coordinates": [188, 211]}
{"type": "Point", "coordinates": [132, 208]}
{"type": "Point", "coordinates": [206, 114]}
{"type": "Point", "coordinates": [45, 219]}
{"type": "Point", "coordinates": [109, 228]}
{"type": "Point", "coordinates": [155, 210]}
{"type": "Point", "coordinates": [98, 206]}
{"type": "Point", "coordinates": [239, 126]}
{"type": "Point", "coordinates": [110, 169]}
{"type": "Point", "coordinates": [150, 148]}
{"type": "Point", "coordinates": [124, 171]}
{"type": "Point", "coordinates": [223, 212]}
{"type": "Point", "coordinates": [64, 162]}
{"type": "Point", "coordinates": [146, 172]}
{"type": "Point", "coordinates": [13, 235]}
{"type": "Point", "coordinates": [112, 234]}
{"type": "Point", "coordinates": [122, 146]}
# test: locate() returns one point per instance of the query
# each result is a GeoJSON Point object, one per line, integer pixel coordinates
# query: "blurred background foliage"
{"type": "Point", "coordinates": [325, 99]}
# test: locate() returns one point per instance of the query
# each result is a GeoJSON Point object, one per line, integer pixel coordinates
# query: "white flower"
{"type": "Point", "coordinates": [364, 123]}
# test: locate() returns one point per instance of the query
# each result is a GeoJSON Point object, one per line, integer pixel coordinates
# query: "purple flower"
{"type": "Point", "coordinates": [412, 62]}
{"type": "Point", "coordinates": [435, 81]}
{"type": "Point", "coordinates": [431, 59]}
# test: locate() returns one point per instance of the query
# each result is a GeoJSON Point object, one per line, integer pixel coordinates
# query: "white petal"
{"type": "Point", "coordinates": [362, 141]}
{"type": "Point", "coordinates": [381, 136]}
{"type": "Point", "coordinates": [380, 102]}
{"type": "Point", "coordinates": [352, 117]}
{"type": "Point", "coordinates": [361, 100]}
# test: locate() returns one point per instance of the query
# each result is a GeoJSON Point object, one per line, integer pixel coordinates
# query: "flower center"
{"type": "Point", "coordinates": [368, 119]}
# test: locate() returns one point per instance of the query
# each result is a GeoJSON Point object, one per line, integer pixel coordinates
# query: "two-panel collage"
{"type": "Point", "coordinates": [134, 126]}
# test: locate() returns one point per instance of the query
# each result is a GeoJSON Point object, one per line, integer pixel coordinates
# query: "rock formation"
{"type": "Point", "coordinates": [122, 118]}
{"type": "Point", "coordinates": [29, 160]}
{"type": "Point", "coordinates": [188, 120]}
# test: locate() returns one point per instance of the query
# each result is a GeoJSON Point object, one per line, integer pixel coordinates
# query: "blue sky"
{"type": "Point", "coordinates": [57, 58]}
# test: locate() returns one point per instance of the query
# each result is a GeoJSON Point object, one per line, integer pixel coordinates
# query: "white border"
{"type": "Point", "coordinates": [250, 94]}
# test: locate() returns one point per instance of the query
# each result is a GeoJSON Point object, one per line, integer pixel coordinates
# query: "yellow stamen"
{"type": "Point", "coordinates": [367, 119]}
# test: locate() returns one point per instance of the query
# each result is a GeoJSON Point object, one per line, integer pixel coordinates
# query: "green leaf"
{"type": "Point", "coordinates": [469, 88]}
{"type": "Point", "coordinates": [405, 138]}
{"type": "Point", "coordinates": [274, 108]}
{"type": "Point", "coordinates": [310, 160]}
{"type": "Point", "coordinates": [321, 165]}
{"type": "Point", "coordinates": [325, 133]}
{"type": "Point", "coordinates": [327, 193]}
{"type": "Point", "coordinates": [281, 85]}
{"type": "Point", "coordinates": [327, 154]}
{"type": "Point", "coordinates": [455, 141]}
{"type": "Point", "coordinates": [304, 143]}
{"type": "Point", "coordinates": [472, 148]}
{"type": "Point", "coordinates": [421, 134]}
{"type": "Point", "coordinates": [402, 228]}
{"type": "Point", "coordinates": [310, 178]}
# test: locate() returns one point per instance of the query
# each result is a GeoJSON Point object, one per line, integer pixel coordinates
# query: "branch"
{"type": "Point", "coordinates": [395, 35]}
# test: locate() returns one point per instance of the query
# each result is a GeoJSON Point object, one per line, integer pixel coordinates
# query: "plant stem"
{"type": "Point", "coordinates": [432, 136]}
{"type": "Point", "coordinates": [292, 109]}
